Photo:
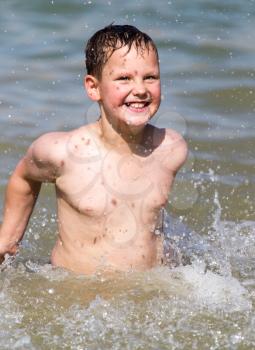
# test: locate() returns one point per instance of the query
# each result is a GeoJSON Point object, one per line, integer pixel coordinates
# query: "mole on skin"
{"type": "Point", "coordinates": [114, 201]}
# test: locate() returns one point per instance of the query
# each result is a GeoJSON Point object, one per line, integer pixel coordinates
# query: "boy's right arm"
{"type": "Point", "coordinates": [23, 189]}
{"type": "Point", "coordinates": [20, 197]}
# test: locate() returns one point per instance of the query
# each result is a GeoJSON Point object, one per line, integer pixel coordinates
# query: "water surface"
{"type": "Point", "coordinates": [207, 64]}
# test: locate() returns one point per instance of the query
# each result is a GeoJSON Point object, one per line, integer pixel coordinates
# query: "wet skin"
{"type": "Point", "coordinates": [111, 177]}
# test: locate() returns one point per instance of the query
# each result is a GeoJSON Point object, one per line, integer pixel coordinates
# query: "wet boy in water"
{"type": "Point", "coordinates": [112, 177]}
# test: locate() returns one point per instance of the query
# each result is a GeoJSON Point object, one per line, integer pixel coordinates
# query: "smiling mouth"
{"type": "Point", "coordinates": [137, 105]}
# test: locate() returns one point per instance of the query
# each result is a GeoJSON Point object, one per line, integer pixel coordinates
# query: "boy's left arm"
{"type": "Point", "coordinates": [177, 151]}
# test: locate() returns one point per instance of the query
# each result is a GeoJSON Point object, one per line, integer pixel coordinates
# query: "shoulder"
{"type": "Point", "coordinates": [175, 140]}
{"type": "Point", "coordinates": [168, 139]}
{"type": "Point", "coordinates": [48, 147]}
{"type": "Point", "coordinates": [173, 148]}
{"type": "Point", "coordinates": [177, 143]}
{"type": "Point", "coordinates": [46, 156]}
{"type": "Point", "coordinates": [60, 147]}
{"type": "Point", "coordinates": [43, 158]}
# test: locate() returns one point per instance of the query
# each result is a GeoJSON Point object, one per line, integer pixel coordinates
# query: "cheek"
{"type": "Point", "coordinates": [156, 91]}
{"type": "Point", "coordinates": [120, 93]}
{"type": "Point", "coordinates": [114, 94]}
{"type": "Point", "coordinates": [109, 93]}
{"type": "Point", "coordinates": [113, 98]}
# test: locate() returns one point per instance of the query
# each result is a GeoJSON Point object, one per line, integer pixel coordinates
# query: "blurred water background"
{"type": "Point", "coordinates": [207, 57]}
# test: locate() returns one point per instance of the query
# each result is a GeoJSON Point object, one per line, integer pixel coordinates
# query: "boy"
{"type": "Point", "coordinates": [112, 177]}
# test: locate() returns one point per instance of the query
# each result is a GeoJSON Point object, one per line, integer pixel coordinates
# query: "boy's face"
{"type": "Point", "coordinates": [129, 88]}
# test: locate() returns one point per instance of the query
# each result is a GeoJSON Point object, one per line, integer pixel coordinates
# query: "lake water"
{"type": "Point", "coordinates": [207, 57]}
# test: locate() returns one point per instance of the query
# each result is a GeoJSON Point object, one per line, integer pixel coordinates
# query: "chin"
{"type": "Point", "coordinates": [136, 127]}
{"type": "Point", "coordinates": [136, 120]}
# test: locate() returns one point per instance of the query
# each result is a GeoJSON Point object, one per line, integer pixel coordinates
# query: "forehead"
{"type": "Point", "coordinates": [125, 58]}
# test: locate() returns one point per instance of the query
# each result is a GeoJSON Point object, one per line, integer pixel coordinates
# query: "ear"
{"type": "Point", "coordinates": [91, 85]}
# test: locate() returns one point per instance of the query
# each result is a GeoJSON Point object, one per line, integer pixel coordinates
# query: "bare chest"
{"type": "Point", "coordinates": [115, 183]}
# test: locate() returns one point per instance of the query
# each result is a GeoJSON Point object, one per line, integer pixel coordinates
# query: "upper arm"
{"type": "Point", "coordinates": [43, 158]}
{"type": "Point", "coordinates": [176, 149]}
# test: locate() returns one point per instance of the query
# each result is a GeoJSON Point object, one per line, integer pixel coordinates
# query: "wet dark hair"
{"type": "Point", "coordinates": [104, 42]}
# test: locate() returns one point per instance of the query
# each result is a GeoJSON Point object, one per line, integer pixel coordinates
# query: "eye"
{"type": "Point", "coordinates": [123, 78]}
{"type": "Point", "coordinates": [151, 77]}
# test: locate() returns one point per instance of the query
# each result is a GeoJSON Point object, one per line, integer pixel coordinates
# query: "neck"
{"type": "Point", "coordinates": [122, 137]}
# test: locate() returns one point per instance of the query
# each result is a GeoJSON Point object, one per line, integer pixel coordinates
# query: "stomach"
{"type": "Point", "coordinates": [104, 256]}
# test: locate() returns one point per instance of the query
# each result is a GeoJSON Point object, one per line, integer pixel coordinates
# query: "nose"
{"type": "Point", "coordinates": [139, 88]}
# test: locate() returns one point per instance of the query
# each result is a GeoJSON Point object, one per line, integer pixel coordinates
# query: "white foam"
{"type": "Point", "coordinates": [212, 290]}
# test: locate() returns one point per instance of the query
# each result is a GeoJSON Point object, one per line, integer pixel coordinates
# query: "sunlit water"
{"type": "Point", "coordinates": [207, 65]}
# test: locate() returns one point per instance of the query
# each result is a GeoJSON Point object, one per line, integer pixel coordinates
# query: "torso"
{"type": "Point", "coordinates": [109, 203]}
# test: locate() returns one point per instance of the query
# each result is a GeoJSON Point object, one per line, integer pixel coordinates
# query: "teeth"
{"type": "Point", "coordinates": [136, 104]}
